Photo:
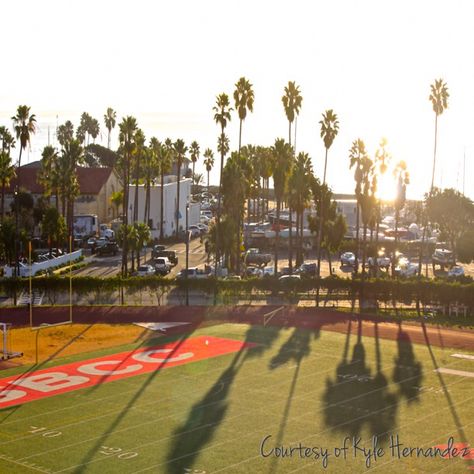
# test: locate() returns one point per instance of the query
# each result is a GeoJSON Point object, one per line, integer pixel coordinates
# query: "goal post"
{"type": "Point", "coordinates": [7, 352]}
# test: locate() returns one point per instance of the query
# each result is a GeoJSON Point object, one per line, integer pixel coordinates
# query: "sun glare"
{"type": "Point", "coordinates": [387, 189]}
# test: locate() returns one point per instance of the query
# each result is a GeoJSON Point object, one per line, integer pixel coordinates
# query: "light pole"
{"type": "Point", "coordinates": [187, 251]}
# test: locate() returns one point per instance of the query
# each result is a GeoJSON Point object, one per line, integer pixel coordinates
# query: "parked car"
{"type": "Point", "coordinates": [307, 269]}
{"type": "Point", "coordinates": [348, 259]}
{"type": "Point", "coordinates": [162, 265]}
{"type": "Point", "coordinates": [195, 231]}
{"type": "Point", "coordinates": [268, 271]}
{"type": "Point", "coordinates": [405, 268]}
{"type": "Point", "coordinates": [382, 260]}
{"type": "Point", "coordinates": [442, 257]}
{"type": "Point", "coordinates": [254, 272]}
{"type": "Point", "coordinates": [145, 270]}
{"type": "Point", "coordinates": [456, 272]}
{"type": "Point", "coordinates": [253, 256]}
{"type": "Point", "coordinates": [207, 213]}
{"type": "Point", "coordinates": [204, 220]}
{"type": "Point", "coordinates": [109, 248]}
{"type": "Point", "coordinates": [194, 273]}
{"type": "Point", "coordinates": [156, 250]}
{"type": "Point", "coordinates": [289, 280]}
{"type": "Point", "coordinates": [285, 271]}
{"type": "Point", "coordinates": [203, 227]}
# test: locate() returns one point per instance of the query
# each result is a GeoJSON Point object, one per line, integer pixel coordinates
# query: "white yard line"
{"type": "Point", "coordinates": [462, 373]}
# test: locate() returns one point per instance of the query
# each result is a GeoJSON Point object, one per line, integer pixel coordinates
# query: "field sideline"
{"type": "Point", "coordinates": [296, 385]}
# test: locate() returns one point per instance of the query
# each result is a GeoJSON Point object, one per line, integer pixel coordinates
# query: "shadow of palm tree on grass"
{"type": "Point", "coordinates": [356, 397]}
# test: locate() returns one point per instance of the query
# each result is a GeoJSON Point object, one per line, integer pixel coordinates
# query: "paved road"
{"type": "Point", "coordinates": [110, 266]}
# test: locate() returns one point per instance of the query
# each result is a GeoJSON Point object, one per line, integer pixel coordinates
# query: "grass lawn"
{"type": "Point", "coordinates": [295, 385]}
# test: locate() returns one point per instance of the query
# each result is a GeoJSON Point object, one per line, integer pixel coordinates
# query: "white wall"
{"type": "Point", "coordinates": [170, 190]}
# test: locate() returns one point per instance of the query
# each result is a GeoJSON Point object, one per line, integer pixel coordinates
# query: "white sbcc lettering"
{"type": "Point", "coordinates": [92, 369]}
{"type": "Point", "coordinates": [146, 356]}
{"type": "Point", "coordinates": [7, 395]}
{"type": "Point", "coordinates": [51, 381]}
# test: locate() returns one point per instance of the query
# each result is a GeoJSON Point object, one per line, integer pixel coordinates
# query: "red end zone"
{"type": "Point", "coordinates": [87, 373]}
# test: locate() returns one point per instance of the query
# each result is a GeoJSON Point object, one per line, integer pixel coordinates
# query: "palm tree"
{"type": "Point", "coordinates": [282, 158]}
{"type": "Point", "coordinates": [166, 154]}
{"type": "Point", "coordinates": [243, 98]}
{"type": "Point", "coordinates": [73, 155]}
{"type": "Point", "coordinates": [180, 150]}
{"type": "Point", "coordinates": [7, 173]}
{"type": "Point", "coordinates": [143, 236]}
{"type": "Point", "coordinates": [127, 127]}
{"type": "Point", "coordinates": [357, 155]}
{"type": "Point", "coordinates": [208, 163]}
{"type": "Point", "coordinates": [48, 174]}
{"type": "Point", "coordinates": [139, 139]}
{"type": "Point", "coordinates": [8, 142]}
{"type": "Point", "coordinates": [366, 201]}
{"type": "Point", "coordinates": [94, 129]}
{"type": "Point", "coordinates": [194, 153]}
{"type": "Point", "coordinates": [329, 129]}
{"type": "Point", "coordinates": [116, 198]}
{"type": "Point", "coordinates": [439, 98]}
{"type": "Point", "coordinates": [110, 119]}
{"type": "Point", "coordinates": [65, 133]}
{"type": "Point", "coordinates": [299, 183]}
{"type": "Point", "coordinates": [382, 159]}
{"type": "Point", "coordinates": [292, 100]}
{"type": "Point", "coordinates": [24, 125]}
{"type": "Point", "coordinates": [402, 176]}
{"type": "Point", "coordinates": [150, 172]}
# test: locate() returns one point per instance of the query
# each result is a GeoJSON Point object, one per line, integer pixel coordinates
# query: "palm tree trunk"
{"type": "Point", "coordinates": [240, 135]}
{"type": "Point", "coordinates": [376, 263]}
{"type": "Point", "coordinates": [321, 219]}
{"type": "Point", "coordinates": [364, 248]}
{"type": "Point", "coordinates": [329, 260]}
{"type": "Point", "coordinates": [397, 216]}
{"type": "Point", "coordinates": [3, 199]}
{"type": "Point", "coordinates": [434, 154]}
{"type": "Point", "coordinates": [108, 139]}
{"type": "Point", "coordinates": [289, 132]}
{"type": "Point", "coordinates": [277, 235]}
{"type": "Point", "coordinates": [177, 202]}
{"type": "Point", "coordinates": [357, 240]}
{"type": "Point", "coordinates": [290, 241]}
{"type": "Point", "coordinates": [161, 203]}
{"type": "Point", "coordinates": [135, 207]}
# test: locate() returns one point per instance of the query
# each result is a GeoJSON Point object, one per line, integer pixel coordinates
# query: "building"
{"type": "Point", "coordinates": [170, 189]}
{"type": "Point", "coordinates": [96, 185]}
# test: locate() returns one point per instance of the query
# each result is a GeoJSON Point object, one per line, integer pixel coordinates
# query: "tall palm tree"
{"type": "Point", "coordinates": [243, 98]}
{"type": "Point", "coordinates": [439, 99]}
{"type": "Point", "coordinates": [7, 173]}
{"type": "Point", "coordinates": [382, 159]}
{"type": "Point", "coordinates": [222, 111]}
{"type": "Point", "coordinates": [208, 163]}
{"type": "Point", "coordinates": [139, 154]}
{"type": "Point", "coordinates": [366, 202]}
{"type": "Point", "coordinates": [194, 153]}
{"type": "Point", "coordinates": [282, 160]}
{"type": "Point", "coordinates": [127, 127]}
{"type": "Point", "coordinates": [110, 119]}
{"type": "Point", "coordinates": [166, 158]}
{"type": "Point", "coordinates": [292, 100]}
{"type": "Point", "coordinates": [180, 153]}
{"type": "Point", "coordinates": [402, 177]}
{"type": "Point", "coordinates": [8, 142]}
{"type": "Point", "coordinates": [150, 171]}
{"type": "Point", "coordinates": [357, 155]}
{"type": "Point", "coordinates": [329, 129]}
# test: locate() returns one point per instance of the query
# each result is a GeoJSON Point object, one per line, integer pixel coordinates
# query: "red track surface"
{"type": "Point", "coordinates": [310, 318]}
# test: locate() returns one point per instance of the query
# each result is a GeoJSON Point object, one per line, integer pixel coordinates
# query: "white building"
{"type": "Point", "coordinates": [170, 189]}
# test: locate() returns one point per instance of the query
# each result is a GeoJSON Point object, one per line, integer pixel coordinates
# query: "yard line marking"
{"type": "Point", "coordinates": [232, 440]}
{"type": "Point", "coordinates": [22, 464]}
{"type": "Point", "coordinates": [462, 373]}
{"type": "Point", "coordinates": [463, 356]}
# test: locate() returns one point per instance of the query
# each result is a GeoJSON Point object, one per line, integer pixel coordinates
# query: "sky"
{"type": "Point", "coordinates": [372, 62]}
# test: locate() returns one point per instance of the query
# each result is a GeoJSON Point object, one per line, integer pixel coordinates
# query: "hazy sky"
{"type": "Point", "coordinates": [164, 62]}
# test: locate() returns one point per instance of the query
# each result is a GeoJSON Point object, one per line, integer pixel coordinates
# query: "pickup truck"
{"type": "Point", "coordinates": [255, 257]}
{"type": "Point", "coordinates": [162, 265]}
{"type": "Point", "coordinates": [194, 273]}
{"type": "Point", "coordinates": [169, 254]}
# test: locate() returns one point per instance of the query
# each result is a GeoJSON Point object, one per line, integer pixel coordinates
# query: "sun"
{"type": "Point", "coordinates": [387, 189]}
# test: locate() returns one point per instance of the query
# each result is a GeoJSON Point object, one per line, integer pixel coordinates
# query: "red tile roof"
{"type": "Point", "coordinates": [91, 180]}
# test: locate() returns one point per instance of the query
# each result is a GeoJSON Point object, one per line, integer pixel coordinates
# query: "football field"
{"type": "Point", "coordinates": [237, 398]}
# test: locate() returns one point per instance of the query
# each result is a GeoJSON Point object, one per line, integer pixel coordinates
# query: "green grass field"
{"type": "Point", "coordinates": [211, 416]}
